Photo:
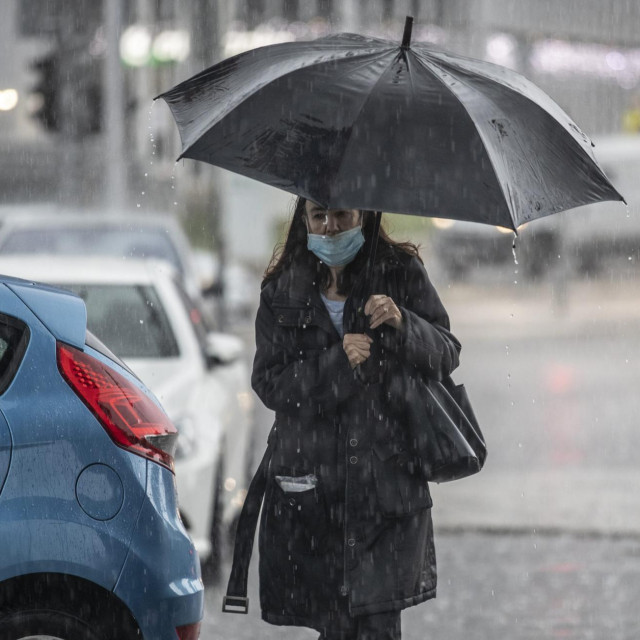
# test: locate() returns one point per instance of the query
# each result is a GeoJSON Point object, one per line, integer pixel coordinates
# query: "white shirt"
{"type": "Point", "coordinates": [336, 311]}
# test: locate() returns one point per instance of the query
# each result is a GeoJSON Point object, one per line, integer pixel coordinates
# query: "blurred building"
{"type": "Point", "coordinates": [64, 112]}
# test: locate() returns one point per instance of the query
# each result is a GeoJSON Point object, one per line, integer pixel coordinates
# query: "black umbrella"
{"type": "Point", "coordinates": [355, 122]}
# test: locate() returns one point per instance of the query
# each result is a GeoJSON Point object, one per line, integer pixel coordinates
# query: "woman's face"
{"type": "Point", "coordinates": [328, 222]}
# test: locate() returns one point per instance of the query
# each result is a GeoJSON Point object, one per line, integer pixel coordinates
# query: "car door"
{"type": "Point", "coordinates": [225, 388]}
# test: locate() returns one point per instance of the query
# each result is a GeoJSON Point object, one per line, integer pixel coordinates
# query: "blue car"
{"type": "Point", "coordinates": [91, 543]}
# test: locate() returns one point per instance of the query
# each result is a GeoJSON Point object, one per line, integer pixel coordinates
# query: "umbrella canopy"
{"type": "Point", "coordinates": [356, 122]}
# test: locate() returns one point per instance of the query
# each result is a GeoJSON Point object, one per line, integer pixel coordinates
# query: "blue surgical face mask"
{"type": "Point", "coordinates": [337, 250]}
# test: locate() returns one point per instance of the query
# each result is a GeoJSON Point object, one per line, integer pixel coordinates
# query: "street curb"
{"type": "Point", "coordinates": [543, 531]}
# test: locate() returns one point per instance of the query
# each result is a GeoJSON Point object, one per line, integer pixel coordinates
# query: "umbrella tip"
{"type": "Point", "coordinates": [406, 37]}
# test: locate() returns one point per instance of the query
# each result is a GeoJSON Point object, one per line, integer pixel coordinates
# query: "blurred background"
{"type": "Point", "coordinates": [549, 328]}
{"type": "Point", "coordinates": [78, 126]}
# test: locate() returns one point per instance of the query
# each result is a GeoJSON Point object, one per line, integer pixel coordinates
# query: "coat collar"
{"type": "Point", "coordinates": [296, 288]}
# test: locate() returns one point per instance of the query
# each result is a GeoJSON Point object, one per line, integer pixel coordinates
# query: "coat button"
{"type": "Point", "coordinates": [307, 319]}
{"type": "Point", "coordinates": [353, 459]}
{"type": "Point", "coordinates": [280, 318]}
{"type": "Point", "coordinates": [343, 590]}
{"type": "Point", "coordinates": [353, 442]}
{"type": "Point", "coordinates": [292, 502]}
{"type": "Point", "coordinates": [351, 542]}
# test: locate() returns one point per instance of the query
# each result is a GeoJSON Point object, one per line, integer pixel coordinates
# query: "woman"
{"type": "Point", "coordinates": [346, 539]}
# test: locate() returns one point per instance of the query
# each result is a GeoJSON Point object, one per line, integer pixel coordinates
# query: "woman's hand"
{"type": "Point", "coordinates": [383, 309]}
{"type": "Point", "coordinates": [357, 346]}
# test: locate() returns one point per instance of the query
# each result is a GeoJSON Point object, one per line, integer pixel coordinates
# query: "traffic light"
{"type": "Point", "coordinates": [44, 94]}
{"type": "Point", "coordinates": [87, 109]}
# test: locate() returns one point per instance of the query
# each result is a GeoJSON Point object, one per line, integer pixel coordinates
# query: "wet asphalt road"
{"type": "Point", "coordinates": [545, 542]}
{"type": "Point", "coordinates": [491, 586]}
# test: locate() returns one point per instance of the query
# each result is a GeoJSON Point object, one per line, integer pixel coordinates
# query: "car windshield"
{"type": "Point", "coordinates": [129, 242]}
{"type": "Point", "coordinates": [129, 319]}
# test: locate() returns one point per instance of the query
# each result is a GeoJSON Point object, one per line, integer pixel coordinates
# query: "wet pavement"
{"type": "Point", "coordinates": [496, 586]}
{"type": "Point", "coordinates": [545, 542]}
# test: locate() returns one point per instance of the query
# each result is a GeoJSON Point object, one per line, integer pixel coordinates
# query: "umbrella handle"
{"type": "Point", "coordinates": [371, 259]}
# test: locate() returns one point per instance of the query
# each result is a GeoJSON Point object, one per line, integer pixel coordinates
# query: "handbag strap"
{"type": "Point", "coordinates": [236, 600]}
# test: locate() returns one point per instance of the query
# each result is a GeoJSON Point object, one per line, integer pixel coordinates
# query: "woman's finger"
{"type": "Point", "coordinates": [357, 351]}
{"type": "Point", "coordinates": [372, 303]}
{"type": "Point", "coordinates": [353, 350]}
{"type": "Point", "coordinates": [356, 338]}
{"type": "Point", "coordinates": [382, 309]}
{"type": "Point", "coordinates": [389, 315]}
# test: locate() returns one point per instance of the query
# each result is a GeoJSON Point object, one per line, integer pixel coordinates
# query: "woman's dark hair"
{"type": "Point", "coordinates": [294, 250]}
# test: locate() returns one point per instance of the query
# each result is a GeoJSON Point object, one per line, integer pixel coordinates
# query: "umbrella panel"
{"type": "Point", "coordinates": [545, 165]}
{"type": "Point", "coordinates": [414, 135]}
{"type": "Point", "coordinates": [375, 122]}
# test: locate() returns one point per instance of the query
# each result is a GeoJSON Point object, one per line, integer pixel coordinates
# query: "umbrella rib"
{"type": "Point", "coordinates": [365, 64]}
{"type": "Point", "coordinates": [364, 102]}
{"type": "Point", "coordinates": [433, 70]}
{"type": "Point", "coordinates": [317, 63]}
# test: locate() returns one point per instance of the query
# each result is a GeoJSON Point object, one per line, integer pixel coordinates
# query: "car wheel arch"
{"type": "Point", "coordinates": [98, 607]}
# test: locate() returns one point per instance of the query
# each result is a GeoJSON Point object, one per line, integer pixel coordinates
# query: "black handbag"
{"type": "Point", "coordinates": [442, 427]}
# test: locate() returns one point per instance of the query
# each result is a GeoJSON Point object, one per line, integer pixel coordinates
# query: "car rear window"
{"type": "Point", "coordinates": [128, 319]}
{"type": "Point", "coordinates": [14, 336]}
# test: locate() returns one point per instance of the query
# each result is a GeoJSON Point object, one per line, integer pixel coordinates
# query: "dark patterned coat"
{"type": "Point", "coordinates": [359, 540]}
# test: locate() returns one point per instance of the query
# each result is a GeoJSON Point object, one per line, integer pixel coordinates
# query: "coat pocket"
{"type": "Point", "coordinates": [299, 514]}
{"type": "Point", "coordinates": [400, 487]}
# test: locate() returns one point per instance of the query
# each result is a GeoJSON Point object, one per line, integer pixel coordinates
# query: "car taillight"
{"type": "Point", "coordinates": [132, 419]}
{"type": "Point", "coordinates": [189, 631]}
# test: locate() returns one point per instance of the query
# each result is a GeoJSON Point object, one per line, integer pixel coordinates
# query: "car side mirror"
{"type": "Point", "coordinates": [214, 290]}
{"type": "Point", "coordinates": [223, 348]}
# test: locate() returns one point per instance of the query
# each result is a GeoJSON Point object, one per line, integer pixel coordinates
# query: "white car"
{"type": "Point", "coordinates": [128, 235]}
{"type": "Point", "coordinates": [139, 309]}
